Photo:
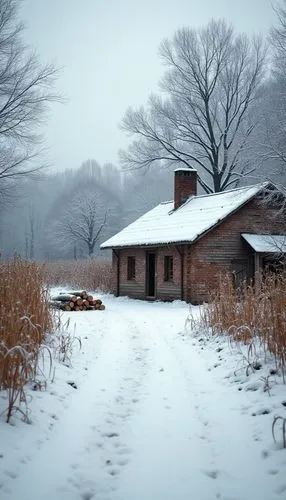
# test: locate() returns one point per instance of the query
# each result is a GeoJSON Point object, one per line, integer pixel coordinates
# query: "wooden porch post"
{"type": "Point", "coordinates": [257, 271]}
{"type": "Point", "coordinates": [181, 252]}
{"type": "Point", "coordinates": [117, 255]}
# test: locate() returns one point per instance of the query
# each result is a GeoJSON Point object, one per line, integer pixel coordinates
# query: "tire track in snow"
{"type": "Point", "coordinates": [169, 456]}
{"type": "Point", "coordinates": [90, 429]}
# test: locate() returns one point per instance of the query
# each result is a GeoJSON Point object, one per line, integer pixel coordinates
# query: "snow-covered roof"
{"type": "Point", "coordinates": [164, 225]}
{"type": "Point", "coordinates": [266, 243]}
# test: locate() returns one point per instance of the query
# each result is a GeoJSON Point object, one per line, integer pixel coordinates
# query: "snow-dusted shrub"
{"type": "Point", "coordinates": [252, 314]}
{"type": "Point", "coordinates": [63, 342]}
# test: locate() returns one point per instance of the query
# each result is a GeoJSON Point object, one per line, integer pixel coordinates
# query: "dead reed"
{"type": "Point", "coordinates": [252, 314]}
{"type": "Point", "coordinates": [25, 317]}
{"type": "Point", "coordinates": [86, 274]}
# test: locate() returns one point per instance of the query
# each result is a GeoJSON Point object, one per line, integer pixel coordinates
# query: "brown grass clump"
{"type": "Point", "coordinates": [252, 314]}
{"type": "Point", "coordinates": [25, 317]}
{"type": "Point", "coordinates": [90, 274]}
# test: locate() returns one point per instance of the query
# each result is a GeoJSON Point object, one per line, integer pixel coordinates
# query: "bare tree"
{"type": "Point", "coordinates": [203, 121]}
{"type": "Point", "coordinates": [25, 91]}
{"type": "Point", "coordinates": [83, 221]}
{"type": "Point", "coordinates": [272, 146]}
{"type": "Point", "coordinates": [278, 37]}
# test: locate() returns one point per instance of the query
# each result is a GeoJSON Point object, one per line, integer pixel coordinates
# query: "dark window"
{"type": "Point", "coordinates": [131, 268]}
{"type": "Point", "coordinates": [168, 268]}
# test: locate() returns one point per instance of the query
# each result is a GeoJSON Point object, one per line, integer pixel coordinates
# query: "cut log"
{"type": "Point", "coordinates": [82, 295]}
{"type": "Point", "coordinates": [76, 301]}
{"type": "Point", "coordinates": [64, 298]}
{"type": "Point", "coordinates": [56, 304]}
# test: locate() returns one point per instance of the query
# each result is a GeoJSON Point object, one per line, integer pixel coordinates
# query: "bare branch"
{"type": "Point", "coordinates": [211, 81]}
{"type": "Point", "coordinates": [25, 92]}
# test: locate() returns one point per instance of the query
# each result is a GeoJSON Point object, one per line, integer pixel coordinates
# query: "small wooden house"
{"type": "Point", "coordinates": [179, 249]}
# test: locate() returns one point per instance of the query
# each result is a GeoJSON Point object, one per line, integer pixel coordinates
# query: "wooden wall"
{"type": "Point", "coordinates": [137, 288]}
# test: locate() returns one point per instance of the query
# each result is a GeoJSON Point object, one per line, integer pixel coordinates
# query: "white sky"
{"type": "Point", "coordinates": [109, 53]}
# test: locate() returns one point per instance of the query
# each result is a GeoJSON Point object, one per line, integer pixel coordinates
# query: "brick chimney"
{"type": "Point", "coordinates": [185, 185]}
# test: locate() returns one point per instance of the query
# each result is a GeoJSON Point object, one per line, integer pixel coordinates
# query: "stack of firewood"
{"type": "Point", "coordinates": [77, 301]}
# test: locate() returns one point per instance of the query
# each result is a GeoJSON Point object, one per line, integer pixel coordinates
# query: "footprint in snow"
{"type": "Point", "coordinates": [124, 451]}
{"type": "Point", "coordinates": [213, 474]}
{"type": "Point", "coordinates": [88, 495]}
{"type": "Point", "coordinates": [109, 421]}
{"type": "Point", "coordinates": [11, 474]}
{"type": "Point", "coordinates": [119, 399]}
{"type": "Point", "coordinates": [273, 472]}
{"type": "Point", "coordinates": [281, 489]}
{"type": "Point", "coordinates": [122, 462]}
{"type": "Point", "coordinates": [262, 411]}
{"type": "Point", "coordinates": [111, 435]}
{"type": "Point", "coordinates": [114, 472]}
{"type": "Point", "coordinates": [116, 444]}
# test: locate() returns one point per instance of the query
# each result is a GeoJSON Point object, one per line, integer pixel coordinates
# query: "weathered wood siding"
{"type": "Point", "coordinates": [165, 290]}
{"type": "Point", "coordinates": [168, 290]}
{"type": "Point", "coordinates": [132, 288]}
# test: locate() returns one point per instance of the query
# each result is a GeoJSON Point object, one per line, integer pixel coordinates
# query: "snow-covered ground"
{"type": "Point", "coordinates": [153, 413]}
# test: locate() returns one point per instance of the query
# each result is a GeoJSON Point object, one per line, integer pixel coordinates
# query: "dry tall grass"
{"type": "Point", "coordinates": [85, 274]}
{"type": "Point", "coordinates": [25, 317]}
{"type": "Point", "coordinates": [252, 314]}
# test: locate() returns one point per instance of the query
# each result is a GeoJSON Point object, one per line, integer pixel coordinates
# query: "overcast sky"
{"type": "Point", "coordinates": [108, 50]}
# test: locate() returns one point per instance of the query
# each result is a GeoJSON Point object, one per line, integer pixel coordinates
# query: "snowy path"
{"type": "Point", "coordinates": [149, 421]}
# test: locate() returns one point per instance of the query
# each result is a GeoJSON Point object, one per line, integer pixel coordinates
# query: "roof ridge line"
{"type": "Point", "coordinates": [191, 197]}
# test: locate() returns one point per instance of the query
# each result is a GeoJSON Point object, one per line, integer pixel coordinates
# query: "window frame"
{"type": "Point", "coordinates": [168, 268]}
{"type": "Point", "coordinates": [131, 268]}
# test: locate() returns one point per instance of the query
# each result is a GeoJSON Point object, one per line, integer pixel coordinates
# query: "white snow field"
{"type": "Point", "coordinates": [155, 413]}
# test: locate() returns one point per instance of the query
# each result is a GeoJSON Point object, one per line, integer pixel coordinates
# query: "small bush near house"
{"type": "Point", "coordinates": [25, 317]}
{"type": "Point", "coordinates": [252, 315]}
{"type": "Point", "coordinates": [83, 274]}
